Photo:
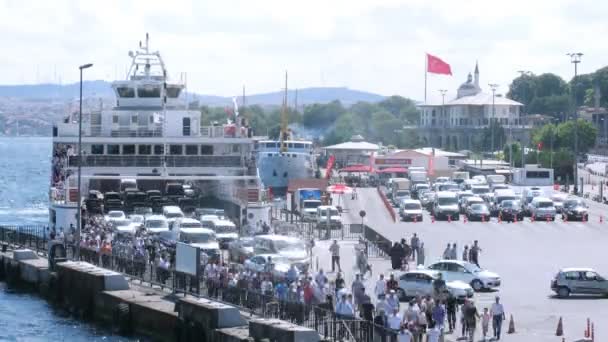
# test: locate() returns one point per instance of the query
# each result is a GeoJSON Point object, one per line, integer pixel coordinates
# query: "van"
{"type": "Point", "coordinates": [225, 230]}
{"type": "Point", "coordinates": [335, 221]}
{"type": "Point", "coordinates": [542, 208]}
{"type": "Point", "coordinates": [155, 224]}
{"type": "Point", "coordinates": [479, 190]}
{"type": "Point", "coordinates": [289, 247]}
{"type": "Point", "coordinates": [446, 206]}
{"type": "Point", "coordinates": [499, 196]}
{"type": "Point", "coordinates": [172, 213]}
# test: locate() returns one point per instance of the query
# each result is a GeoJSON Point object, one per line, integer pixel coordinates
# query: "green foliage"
{"type": "Point", "coordinates": [322, 115]}
{"type": "Point", "coordinates": [499, 136]}
{"type": "Point", "coordinates": [562, 136]}
{"type": "Point", "coordinates": [542, 94]}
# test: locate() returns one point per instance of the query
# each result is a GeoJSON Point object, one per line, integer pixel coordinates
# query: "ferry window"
{"type": "Point", "coordinates": [159, 149]}
{"type": "Point", "coordinates": [144, 149]}
{"type": "Point", "coordinates": [113, 149]}
{"type": "Point", "coordinates": [298, 145]}
{"type": "Point", "coordinates": [134, 118]}
{"type": "Point", "coordinates": [125, 92]}
{"type": "Point", "coordinates": [128, 149]}
{"type": "Point", "coordinates": [176, 149]}
{"type": "Point", "coordinates": [290, 145]}
{"type": "Point", "coordinates": [96, 149]}
{"type": "Point", "coordinates": [236, 148]}
{"type": "Point", "coordinates": [115, 119]}
{"type": "Point", "coordinates": [191, 150]}
{"type": "Point", "coordinates": [186, 126]}
{"type": "Point", "coordinates": [148, 92]}
{"type": "Point", "coordinates": [173, 92]}
{"type": "Point", "coordinates": [207, 150]}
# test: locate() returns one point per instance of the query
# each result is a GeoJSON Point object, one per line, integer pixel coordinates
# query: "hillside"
{"type": "Point", "coordinates": [102, 89]}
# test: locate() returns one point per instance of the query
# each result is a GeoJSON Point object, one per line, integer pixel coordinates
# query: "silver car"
{"type": "Point", "coordinates": [579, 281]}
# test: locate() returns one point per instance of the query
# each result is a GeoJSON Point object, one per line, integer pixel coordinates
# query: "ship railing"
{"type": "Point", "coordinates": [156, 161]}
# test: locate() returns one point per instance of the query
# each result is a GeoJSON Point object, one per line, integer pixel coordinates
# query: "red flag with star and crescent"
{"type": "Point", "coordinates": [436, 65]}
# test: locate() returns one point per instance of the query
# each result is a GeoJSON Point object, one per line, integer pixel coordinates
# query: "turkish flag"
{"type": "Point", "coordinates": [437, 66]}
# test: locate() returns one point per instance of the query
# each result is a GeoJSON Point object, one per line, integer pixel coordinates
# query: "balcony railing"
{"type": "Point", "coordinates": [157, 161]}
{"type": "Point", "coordinates": [71, 130]}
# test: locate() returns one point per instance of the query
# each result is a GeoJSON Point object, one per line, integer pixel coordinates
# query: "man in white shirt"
{"type": "Point", "coordinates": [380, 287]}
{"type": "Point", "coordinates": [498, 315]}
{"type": "Point", "coordinates": [394, 320]}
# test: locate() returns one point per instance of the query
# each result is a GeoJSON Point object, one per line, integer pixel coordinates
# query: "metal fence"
{"type": "Point", "coordinates": [320, 317]}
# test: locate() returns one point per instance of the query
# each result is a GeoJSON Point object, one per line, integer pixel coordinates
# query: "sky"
{"type": "Point", "coordinates": [371, 45]}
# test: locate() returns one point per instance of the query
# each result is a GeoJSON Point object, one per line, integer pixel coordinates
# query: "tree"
{"type": "Point", "coordinates": [401, 108]}
{"type": "Point", "coordinates": [587, 134]}
{"type": "Point", "coordinates": [322, 115]}
{"type": "Point", "coordinates": [549, 84]}
{"type": "Point", "coordinates": [384, 125]}
{"type": "Point", "coordinates": [522, 89]}
{"type": "Point", "coordinates": [499, 136]}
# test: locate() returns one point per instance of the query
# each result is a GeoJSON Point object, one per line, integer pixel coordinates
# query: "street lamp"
{"type": "Point", "coordinates": [575, 58]}
{"type": "Point", "coordinates": [79, 214]}
{"type": "Point", "coordinates": [493, 86]}
{"type": "Point", "coordinates": [443, 92]}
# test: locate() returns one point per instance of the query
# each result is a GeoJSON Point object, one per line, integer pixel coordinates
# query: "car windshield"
{"type": "Point", "coordinates": [447, 201]}
{"type": "Point", "coordinates": [282, 245]}
{"type": "Point", "coordinates": [479, 207]}
{"type": "Point", "coordinates": [190, 225]}
{"type": "Point", "coordinates": [174, 215]}
{"type": "Point", "coordinates": [115, 214]}
{"type": "Point", "coordinates": [480, 190]}
{"type": "Point", "coordinates": [157, 224]}
{"type": "Point", "coordinates": [545, 204]}
{"type": "Point", "coordinates": [505, 198]}
{"type": "Point", "coordinates": [574, 203]}
{"type": "Point", "coordinates": [411, 206]}
{"type": "Point", "coordinates": [510, 204]}
{"type": "Point", "coordinates": [197, 237]}
{"type": "Point", "coordinates": [402, 193]}
{"type": "Point", "coordinates": [311, 204]}
{"type": "Point", "coordinates": [332, 212]}
{"type": "Point", "coordinates": [422, 187]}
{"type": "Point", "coordinates": [472, 267]}
{"type": "Point", "coordinates": [448, 187]}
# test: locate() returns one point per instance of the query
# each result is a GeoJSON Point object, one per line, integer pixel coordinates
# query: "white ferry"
{"type": "Point", "coordinates": [150, 150]}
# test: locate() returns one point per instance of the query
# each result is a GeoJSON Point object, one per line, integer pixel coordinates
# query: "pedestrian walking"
{"type": "Point", "coordinates": [380, 287]}
{"type": "Point", "coordinates": [454, 252]}
{"type": "Point", "coordinates": [415, 244]}
{"type": "Point", "coordinates": [498, 316]}
{"type": "Point", "coordinates": [471, 316]}
{"type": "Point", "coordinates": [421, 254]}
{"type": "Point", "coordinates": [447, 252]}
{"type": "Point", "coordinates": [335, 256]}
{"type": "Point", "coordinates": [397, 254]}
{"type": "Point", "coordinates": [451, 308]}
{"type": "Point", "coordinates": [465, 253]}
{"type": "Point", "coordinates": [474, 253]}
{"type": "Point", "coordinates": [485, 323]}
{"type": "Point", "coordinates": [438, 315]}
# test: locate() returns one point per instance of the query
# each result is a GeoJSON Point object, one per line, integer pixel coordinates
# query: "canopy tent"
{"type": "Point", "coordinates": [393, 170]}
{"type": "Point", "coordinates": [356, 168]}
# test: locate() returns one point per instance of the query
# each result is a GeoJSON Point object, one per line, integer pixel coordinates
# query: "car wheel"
{"type": "Point", "coordinates": [401, 295]}
{"type": "Point", "coordinates": [477, 285]}
{"type": "Point", "coordinates": [563, 292]}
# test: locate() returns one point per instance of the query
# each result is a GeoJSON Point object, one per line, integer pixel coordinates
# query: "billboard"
{"type": "Point", "coordinates": [187, 259]}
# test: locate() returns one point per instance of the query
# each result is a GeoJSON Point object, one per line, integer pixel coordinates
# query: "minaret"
{"type": "Point", "coordinates": [477, 76]}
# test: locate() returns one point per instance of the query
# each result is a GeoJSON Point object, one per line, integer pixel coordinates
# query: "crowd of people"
{"type": "Point", "coordinates": [59, 171]}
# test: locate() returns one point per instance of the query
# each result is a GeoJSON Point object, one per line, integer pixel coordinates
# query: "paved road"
{"type": "Point", "coordinates": [527, 256]}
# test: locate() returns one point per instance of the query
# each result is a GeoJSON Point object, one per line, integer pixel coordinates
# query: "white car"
{"type": "Point", "coordinates": [411, 210]}
{"type": "Point", "coordinates": [478, 278]}
{"type": "Point", "coordinates": [558, 201]}
{"type": "Point", "coordinates": [257, 263]}
{"type": "Point", "coordinates": [156, 224]}
{"type": "Point", "coordinates": [115, 215]}
{"type": "Point", "coordinates": [542, 208]}
{"type": "Point", "coordinates": [420, 283]}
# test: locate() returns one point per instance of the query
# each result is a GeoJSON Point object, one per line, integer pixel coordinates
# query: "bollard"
{"type": "Point", "coordinates": [588, 330]}
{"type": "Point", "coordinates": [592, 333]}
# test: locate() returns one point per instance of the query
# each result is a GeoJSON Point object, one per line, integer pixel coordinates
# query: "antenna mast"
{"type": "Point", "coordinates": [284, 135]}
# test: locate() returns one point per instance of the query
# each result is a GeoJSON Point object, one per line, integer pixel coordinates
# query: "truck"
{"type": "Point", "coordinates": [398, 188]}
{"type": "Point", "coordinates": [306, 201]}
{"type": "Point", "coordinates": [418, 176]}
{"type": "Point", "coordinates": [460, 176]}
{"type": "Point", "coordinates": [328, 216]}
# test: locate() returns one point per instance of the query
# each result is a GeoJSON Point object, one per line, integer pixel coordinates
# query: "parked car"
{"type": "Point", "coordinates": [468, 201]}
{"type": "Point", "coordinates": [258, 263]}
{"type": "Point", "coordinates": [541, 208]}
{"type": "Point", "coordinates": [579, 281]}
{"type": "Point", "coordinates": [411, 210]}
{"type": "Point", "coordinates": [478, 212]}
{"type": "Point", "coordinates": [575, 209]}
{"type": "Point", "coordinates": [420, 283]}
{"type": "Point", "coordinates": [115, 215]}
{"type": "Point", "coordinates": [478, 278]}
{"type": "Point", "coordinates": [241, 249]}
{"type": "Point", "coordinates": [510, 210]}
{"type": "Point", "coordinates": [446, 206]}
{"type": "Point", "coordinates": [289, 247]}
{"type": "Point", "coordinates": [156, 223]}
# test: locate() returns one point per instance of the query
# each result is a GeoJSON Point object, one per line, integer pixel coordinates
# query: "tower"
{"type": "Point", "coordinates": [477, 76]}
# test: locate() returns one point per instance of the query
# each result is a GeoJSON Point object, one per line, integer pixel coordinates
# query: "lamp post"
{"type": "Point", "coordinates": [443, 92]}
{"type": "Point", "coordinates": [79, 200]}
{"type": "Point", "coordinates": [575, 58]}
{"type": "Point", "coordinates": [493, 86]}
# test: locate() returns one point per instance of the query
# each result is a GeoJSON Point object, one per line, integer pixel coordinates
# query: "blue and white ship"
{"type": "Point", "coordinates": [276, 168]}
{"type": "Point", "coordinates": [284, 159]}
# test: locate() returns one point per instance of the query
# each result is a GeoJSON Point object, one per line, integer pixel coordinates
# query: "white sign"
{"type": "Point", "coordinates": [187, 259]}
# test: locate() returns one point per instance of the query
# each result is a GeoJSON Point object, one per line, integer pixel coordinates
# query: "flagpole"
{"type": "Point", "coordinates": [426, 62]}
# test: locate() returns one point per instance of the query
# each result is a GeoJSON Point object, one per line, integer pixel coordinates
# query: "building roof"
{"type": "Point", "coordinates": [481, 99]}
{"type": "Point", "coordinates": [401, 154]}
{"type": "Point", "coordinates": [354, 145]}
{"type": "Point", "coordinates": [439, 152]}
{"type": "Point", "coordinates": [314, 183]}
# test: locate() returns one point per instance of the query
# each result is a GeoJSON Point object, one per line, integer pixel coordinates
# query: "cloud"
{"type": "Point", "coordinates": [376, 45]}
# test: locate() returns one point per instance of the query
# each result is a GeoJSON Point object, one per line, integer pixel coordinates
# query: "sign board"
{"type": "Point", "coordinates": [392, 161]}
{"type": "Point", "coordinates": [187, 259]}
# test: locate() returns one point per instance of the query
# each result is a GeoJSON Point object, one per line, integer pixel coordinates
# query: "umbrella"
{"type": "Point", "coordinates": [339, 189]}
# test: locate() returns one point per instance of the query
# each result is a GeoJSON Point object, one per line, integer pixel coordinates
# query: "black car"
{"type": "Point", "coordinates": [478, 212]}
{"type": "Point", "coordinates": [510, 210]}
{"type": "Point", "coordinates": [575, 209]}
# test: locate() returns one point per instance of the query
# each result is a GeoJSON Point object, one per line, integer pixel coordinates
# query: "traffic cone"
{"type": "Point", "coordinates": [515, 218]}
{"type": "Point", "coordinates": [532, 218]}
{"type": "Point", "coordinates": [584, 219]}
{"type": "Point", "coordinates": [449, 218]}
{"type": "Point", "coordinates": [511, 326]}
{"type": "Point", "coordinates": [483, 218]}
{"type": "Point", "coordinates": [499, 218]}
{"type": "Point", "coordinates": [601, 219]}
{"type": "Point", "coordinates": [548, 219]}
{"type": "Point", "coordinates": [565, 217]}
{"type": "Point", "coordinates": [433, 218]}
{"type": "Point", "coordinates": [464, 219]}
{"type": "Point", "coordinates": [560, 328]}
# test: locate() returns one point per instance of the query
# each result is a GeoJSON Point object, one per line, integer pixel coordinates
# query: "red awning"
{"type": "Point", "coordinates": [356, 168]}
{"type": "Point", "coordinates": [393, 170]}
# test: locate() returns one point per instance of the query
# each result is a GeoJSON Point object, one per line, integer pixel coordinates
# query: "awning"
{"type": "Point", "coordinates": [356, 168]}
{"type": "Point", "coordinates": [393, 170]}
